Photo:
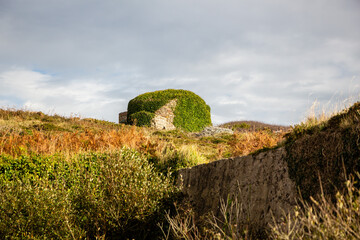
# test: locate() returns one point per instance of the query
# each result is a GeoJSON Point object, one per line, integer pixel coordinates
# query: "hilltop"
{"type": "Point", "coordinates": [254, 126]}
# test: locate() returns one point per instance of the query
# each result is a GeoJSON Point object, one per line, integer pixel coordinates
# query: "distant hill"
{"type": "Point", "coordinates": [244, 126]}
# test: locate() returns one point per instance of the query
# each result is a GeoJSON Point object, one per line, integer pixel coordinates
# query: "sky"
{"type": "Point", "coordinates": [263, 60]}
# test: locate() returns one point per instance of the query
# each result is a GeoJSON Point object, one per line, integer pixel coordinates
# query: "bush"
{"type": "Point", "coordinates": [35, 201]}
{"type": "Point", "coordinates": [123, 199]}
{"type": "Point", "coordinates": [112, 195]}
{"type": "Point", "coordinates": [142, 118]}
{"type": "Point", "coordinates": [191, 112]}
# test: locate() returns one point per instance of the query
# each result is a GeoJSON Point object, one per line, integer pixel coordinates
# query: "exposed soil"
{"type": "Point", "coordinates": [326, 153]}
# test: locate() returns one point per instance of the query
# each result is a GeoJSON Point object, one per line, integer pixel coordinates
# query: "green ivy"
{"type": "Point", "coordinates": [142, 118]}
{"type": "Point", "coordinates": [191, 112]}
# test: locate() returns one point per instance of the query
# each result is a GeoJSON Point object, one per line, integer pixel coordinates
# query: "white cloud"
{"type": "Point", "coordinates": [261, 58]}
{"type": "Point", "coordinates": [86, 97]}
{"type": "Point", "coordinates": [230, 101]}
{"type": "Point", "coordinates": [22, 82]}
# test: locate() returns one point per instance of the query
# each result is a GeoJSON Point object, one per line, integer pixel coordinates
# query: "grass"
{"type": "Point", "coordinates": [322, 218]}
{"type": "Point", "coordinates": [24, 132]}
{"type": "Point", "coordinates": [249, 142]}
{"type": "Point", "coordinates": [79, 178]}
{"type": "Point", "coordinates": [49, 142]}
{"type": "Point", "coordinates": [324, 149]}
{"type": "Point", "coordinates": [346, 117]}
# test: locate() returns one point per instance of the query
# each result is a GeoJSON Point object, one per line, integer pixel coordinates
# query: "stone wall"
{"type": "Point", "coordinates": [262, 179]}
{"type": "Point", "coordinates": [123, 117]}
{"type": "Point", "coordinates": [164, 117]}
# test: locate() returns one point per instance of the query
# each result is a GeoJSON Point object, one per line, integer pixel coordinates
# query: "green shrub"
{"type": "Point", "coordinates": [191, 112]}
{"type": "Point", "coordinates": [113, 195]}
{"type": "Point", "coordinates": [30, 168]}
{"type": "Point", "coordinates": [142, 118]}
{"type": "Point", "coordinates": [123, 198]}
{"type": "Point", "coordinates": [34, 207]}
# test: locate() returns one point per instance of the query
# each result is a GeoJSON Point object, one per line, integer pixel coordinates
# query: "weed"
{"type": "Point", "coordinates": [324, 149]}
{"type": "Point", "coordinates": [172, 159]}
{"type": "Point", "coordinates": [234, 221]}
{"type": "Point", "coordinates": [323, 218]}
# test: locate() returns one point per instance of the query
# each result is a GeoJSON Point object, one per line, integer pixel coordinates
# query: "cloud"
{"type": "Point", "coordinates": [255, 60]}
{"type": "Point", "coordinates": [35, 91]}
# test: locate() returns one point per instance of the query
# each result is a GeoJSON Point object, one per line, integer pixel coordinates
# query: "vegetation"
{"type": "Point", "coordinates": [79, 178]}
{"type": "Point", "coordinates": [327, 149]}
{"type": "Point", "coordinates": [141, 118]}
{"type": "Point", "coordinates": [321, 154]}
{"type": "Point", "coordinates": [322, 218]}
{"type": "Point", "coordinates": [59, 176]}
{"type": "Point", "coordinates": [103, 195]}
{"type": "Point", "coordinates": [244, 126]}
{"type": "Point", "coordinates": [191, 112]}
{"type": "Point", "coordinates": [319, 218]}
{"type": "Point", "coordinates": [251, 142]}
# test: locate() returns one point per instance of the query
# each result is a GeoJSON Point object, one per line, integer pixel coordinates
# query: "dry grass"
{"type": "Point", "coordinates": [319, 115]}
{"type": "Point", "coordinates": [233, 222]}
{"type": "Point", "coordinates": [245, 143]}
{"type": "Point", "coordinates": [42, 142]}
{"type": "Point", "coordinates": [322, 218]}
{"type": "Point", "coordinates": [25, 132]}
{"type": "Point", "coordinates": [223, 146]}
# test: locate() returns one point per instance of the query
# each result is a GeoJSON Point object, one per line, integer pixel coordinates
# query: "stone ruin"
{"type": "Point", "coordinates": [163, 119]}
{"type": "Point", "coordinates": [123, 117]}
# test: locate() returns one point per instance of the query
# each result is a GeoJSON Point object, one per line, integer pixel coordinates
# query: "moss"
{"type": "Point", "coordinates": [191, 112]}
{"type": "Point", "coordinates": [142, 118]}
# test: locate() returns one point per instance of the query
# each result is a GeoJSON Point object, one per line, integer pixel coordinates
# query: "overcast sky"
{"type": "Point", "coordinates": [264, 60]}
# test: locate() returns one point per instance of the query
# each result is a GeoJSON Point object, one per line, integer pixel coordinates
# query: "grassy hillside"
{"type": "Point", "coordinates": [72, 178]}
{"type": "Point", "coordinates": [66, 177]}
{"type": "Point", "coordinates": [24, 132]}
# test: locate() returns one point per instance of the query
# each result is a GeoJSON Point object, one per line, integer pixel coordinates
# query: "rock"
{"type": "Point", "coordinates": [213, 131]}
{"type": "Point", "coordinates": [261, 182]}
{"type": "Point", "coordinates": [164, 117]}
